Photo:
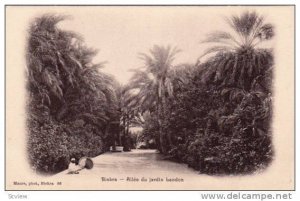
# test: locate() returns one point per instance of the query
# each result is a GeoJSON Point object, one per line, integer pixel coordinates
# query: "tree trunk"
{"type": "Point", "coordinates": [124, 128]}
{"type": "Point", "coordinates": [168, 134]}
{"type": "Point", "coordinates": [126, 145]}
{"type": "Point", "coordinates": [127, 128]}
{"type": "Point", "coordinates": [161, 137]}
{"type": "Point", "coordinates": [106, 134]}
{"type": "Point", "coordinates": [160, 127]}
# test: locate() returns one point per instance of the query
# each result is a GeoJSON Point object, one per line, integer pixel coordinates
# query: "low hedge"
{"type": "Point", "coordinates": [53, 144]}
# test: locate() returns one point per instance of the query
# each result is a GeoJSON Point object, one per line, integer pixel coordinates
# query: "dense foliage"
{"type": "Point", "coordinates": [219, 115]}
{"type": "Point", "coordinates": [70, 102]}
{"type": "Point", "coordinates": [214, 115]}
{"type": "Point", "coordinates": [220, 131]}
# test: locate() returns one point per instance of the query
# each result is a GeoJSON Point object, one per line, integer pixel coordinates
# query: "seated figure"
{"type": "Point", "coordinates": [73, 168]}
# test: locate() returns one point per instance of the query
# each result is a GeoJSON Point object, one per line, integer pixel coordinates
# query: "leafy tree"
{"type": "Point", "coordinates": [69, 98]}
{"type": "Point", "coordinates": [154, 85]}
{"type": "Point", "coordinates": [221, 111]}
{"type": "Point", "coordinates": [239, 60]}
{"type": "Point", "coordinates": [128, 111]}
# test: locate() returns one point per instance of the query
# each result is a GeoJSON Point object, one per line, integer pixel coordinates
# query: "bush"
{"type": "Point", "coordinates": [234, 142]}
{"type": "Point", "coordinates": [48, 147]}
{"type": "Point", "coordinates": [219, 130]}
{"type": "Point", "coordinates": [70, 102]}
{"type": "Point", "coordinates": [52, 145]}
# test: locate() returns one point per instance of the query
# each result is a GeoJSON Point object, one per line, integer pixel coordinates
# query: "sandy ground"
{"type": "Point", "coordinates": [137, 162]}
{"type": "Point", "coordinates": [126, 170]}
{"type": "Point", "coordinates": [147, 170]}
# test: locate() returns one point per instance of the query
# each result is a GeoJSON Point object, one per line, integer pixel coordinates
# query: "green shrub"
{"type": "Point", "coordinates": [226, 143]}
{"type": "Point", "coordinates": [48, 147]}
{"type": "Point", "coordinates": [52, 145]}
{"type": "Point", "coordinates": [70, 102]}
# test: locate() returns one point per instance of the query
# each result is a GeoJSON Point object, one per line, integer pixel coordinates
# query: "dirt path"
{"type": "Point", "coordinates": [126, 170]}
{"type": "Point", "coordinates": [135, 162]}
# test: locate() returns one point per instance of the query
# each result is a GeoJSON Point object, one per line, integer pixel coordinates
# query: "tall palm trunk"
{"type": "Point", "coordinates": [157, 83]}
{"type": "Point", "coordinates": [127, 129]}
{"type": "Point", "coordinates": [160, 126]}
{"type": "Point", "coordinates": [124, 130]}
{"type": "Point", "coordinates": [126, 133]}
{"type": "Point", "coordinates": [106, 134]}
{"type": "Point", "coordinates": [168, 134]}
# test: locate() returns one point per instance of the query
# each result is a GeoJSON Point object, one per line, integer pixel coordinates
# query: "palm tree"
{"type": "Point", "coordinates": [63, 81]}
{"type": "Point", "coordinates": [127, 113]}
{"type": "Point", "coordinates": [154, 85]}
{"type": "Point", "coordinates": [50, 56]}
{"type": "Point", "coordinates": [60, 70]}
{"type": "Point", "coordinates": [65, 87]}
{"type": "Point", "coordinates": [239, 59]}
{"type": "Point", "coordinates": [241, 72]}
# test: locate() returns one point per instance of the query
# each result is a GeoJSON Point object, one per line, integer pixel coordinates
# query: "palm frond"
{"type": "Point", "coordinates": [217, 49]}
{"type": "Point", "coordinates": [221, 37]}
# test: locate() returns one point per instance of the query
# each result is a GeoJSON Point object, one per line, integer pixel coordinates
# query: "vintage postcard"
{"type": "Point", "coordinates": [150, 97]}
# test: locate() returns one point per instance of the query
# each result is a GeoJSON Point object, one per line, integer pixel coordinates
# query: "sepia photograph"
{"type": "Point", "coordinates": [149, 97]}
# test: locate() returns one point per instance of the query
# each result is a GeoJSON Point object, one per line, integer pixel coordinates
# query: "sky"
{"type": "Point", "coordinates": [121, 33]}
